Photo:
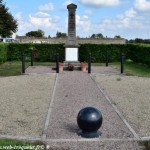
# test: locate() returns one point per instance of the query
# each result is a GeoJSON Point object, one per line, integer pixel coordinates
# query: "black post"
{"type": "Point", "coordinates": [23, 62]}
{"type": "Point", "coordinates": [31, 57]}
{"type": "Point", "coordinates": [89, 63]}
{"type": "Point", "coordinates": [57, 63]}
{"type": "Point", "coordinates": [107, 58]}
{"type": "Point", "coordinates": [122, 62]}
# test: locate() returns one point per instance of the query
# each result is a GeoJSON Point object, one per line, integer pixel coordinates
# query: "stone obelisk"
{"type": "Point", "coordinates": [71, 45]}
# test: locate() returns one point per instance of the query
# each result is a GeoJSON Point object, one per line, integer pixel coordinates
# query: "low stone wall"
{"type": "Point", "coordinates": [80, 41]}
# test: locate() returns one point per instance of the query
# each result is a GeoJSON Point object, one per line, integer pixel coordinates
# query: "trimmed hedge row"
{"type": "Point", "coordinates": [3, 52]}
{"type": "Point", "coordinates": [46, 52]}
{"type": "Point", "coordinates": [140, 53]}
{"type": "Point", "coordinates": [99, 51]}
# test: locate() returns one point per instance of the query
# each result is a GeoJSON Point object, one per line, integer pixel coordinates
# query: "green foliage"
{"type": "Point", "coordinates": [60, 34]}
{"type": "Point", "coordinates": [117, 36]}
{"type": "Point", "coordinates": [140, 53]}
{"type": "Point", "coordinates": [99, 35]}
{"type": "Point", "coordinates": [99, 51]}
{"type": "Point", "coordinates": [7, 22]}
{"type": "Point", "coordinates": [46, 52]}
{"type": "Point", "coordinates": [38, 33]}
{"type": "Point", "coordinates": [16, 49]}
{"type": "Point", "coordinates": [43, 52]}
{"type": "Point", "coordinates": [3, 52]}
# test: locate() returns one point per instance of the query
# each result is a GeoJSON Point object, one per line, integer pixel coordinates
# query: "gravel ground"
{"type": "Point", "coordinates": [76, 90]}
{"type": "Point", "coordinates": [95, 145]}
{"type": "Point", "coordinates": [40, 69]}
{"type": "Point", "coordinates": [104, 70]}
{"type": "Point", "coordinates": [131, 95]}
{"type": "Point", "coordinates": [24, 103]}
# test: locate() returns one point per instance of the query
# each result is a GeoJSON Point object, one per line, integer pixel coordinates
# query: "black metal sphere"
{"type": "Point", "coordinates": [89, 120]}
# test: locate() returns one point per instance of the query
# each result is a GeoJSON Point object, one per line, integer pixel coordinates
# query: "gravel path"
{"type": "Point", "coordinates": [40, 69]}
{"type": "Point", "coordinates": [104, 70]}
{"type": "Point", "coordinates": [76, 90]}
{"type": "Point", "coordinates": [132, 97]}
{"type": "Point", "coordinates": [24, 102]}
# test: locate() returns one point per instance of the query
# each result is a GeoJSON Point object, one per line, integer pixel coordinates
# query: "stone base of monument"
{"type": "Point", "coordinates": [76, 64]}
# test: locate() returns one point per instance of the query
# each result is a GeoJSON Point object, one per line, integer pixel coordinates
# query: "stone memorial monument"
{"type": "Point", "coordinates": [71, 45]}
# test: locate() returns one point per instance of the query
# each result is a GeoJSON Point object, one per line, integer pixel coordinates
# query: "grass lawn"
{"type": "Point", "coordinates": [14, 68]}
{"type": "Point", "coordinates": [134, 69]}
{"type": "Point", "coordinates": [17, 144]}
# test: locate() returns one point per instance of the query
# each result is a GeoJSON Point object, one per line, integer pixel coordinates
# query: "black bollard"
{"type": "Point", "coordinates": [57, 63]}
{"type": "Point", "coordinates": [107, 58]}
{"type": "Point", "coordinates": [89, 63]}
{"type": "Point", "coordinates": [122, 62]}
{"type": "Point", "coordinates": [31, 57]}
{"type": "Point", "coordinates": [89, 120]}
{"type": "Point", "coordinates": [23, 63]}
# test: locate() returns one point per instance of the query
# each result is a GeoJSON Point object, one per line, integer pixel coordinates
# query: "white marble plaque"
{"type": "Point", "coordinates": [71, 54]}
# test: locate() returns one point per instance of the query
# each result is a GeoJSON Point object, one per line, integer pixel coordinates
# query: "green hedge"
{"type": "Point", "coordinates": [98, 52]}
{"type": "Point", "coordinates": [140, 53]}
{"type": "Point", "coordinates": [3, 52]}
{"type": "Point", "coordinates": [46, 52]}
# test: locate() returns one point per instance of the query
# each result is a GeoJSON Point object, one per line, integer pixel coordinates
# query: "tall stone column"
{"type": "Point", "coordinates": [71, 43]}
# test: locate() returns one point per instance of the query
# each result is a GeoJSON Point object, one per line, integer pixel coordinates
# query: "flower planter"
{"type": "Point", "coordinates": [60, 67]}
{"type": "Point", "coordinates": [83, 67]}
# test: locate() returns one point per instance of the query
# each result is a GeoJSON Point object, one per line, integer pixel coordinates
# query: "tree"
{"type": "Point", "coordinates": [8, 24]}
{"type": "Point", "coordinates": [93, 36]}
{"type": "Point", "coordinates": [117, 36]}
{"type": "Point", "coordinates": [60, 34]}
{"type": "Point", "coordinates": [99, 35]}
{"type": "Point", "coordinates": [42, 32]}
{"type": "Point", "coordinates": [38, 33]}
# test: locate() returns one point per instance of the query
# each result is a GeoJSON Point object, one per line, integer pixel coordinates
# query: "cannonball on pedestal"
{"type": "Point", "coordinates": [89, 120]}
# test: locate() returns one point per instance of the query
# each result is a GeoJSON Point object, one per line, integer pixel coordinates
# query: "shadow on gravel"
{"type": "Point", "coordinates": [72, 128]}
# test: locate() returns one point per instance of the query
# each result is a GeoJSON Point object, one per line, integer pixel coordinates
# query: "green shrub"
{"type": "Point", "coordinates": [46, 52]}
{"type": "Point", "coordinates": [99, 51]}
{"type": "Point", "coordinates": [140, 53]}
{"type": "Point", "coordinates": [3, 52]}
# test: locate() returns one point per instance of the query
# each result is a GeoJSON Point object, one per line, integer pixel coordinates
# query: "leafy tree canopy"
{"type": "Point", "coordinates": [117, 36]}
{"type": "Point", "coordinates": [38, 33]}
{"type": "Point", "coordinates": [99, 35]}
{"type": "Point", "coordinates": [60, 34]}
{"type": "Point", "coordinates": [8, 24]}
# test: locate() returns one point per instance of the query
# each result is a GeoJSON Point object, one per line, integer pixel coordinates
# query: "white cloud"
{"type": "Point", "coordinates": [46, 7]}
{"type": "Point", "coordinates": [42, 15]}
{"type": "Point", "coordinates": [128, 25]}
{"type": "Point", "coordinates": [100, 3]}
{"type": "Point", "coordinates": [142, 5]}
{"type": "Point", "coordinates": [88, 12]}
{"type": "Point", "coordinates": [83, 23]}
{"type": "Point", "coordinates": [130, 13]}
{"type": "Point", "coordinates": [40, 22]}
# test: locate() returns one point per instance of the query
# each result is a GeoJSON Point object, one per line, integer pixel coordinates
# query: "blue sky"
{"type": "Point", "coordinates": [128, 18]}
